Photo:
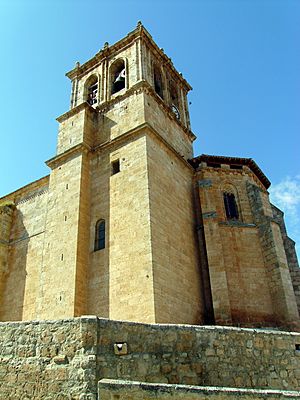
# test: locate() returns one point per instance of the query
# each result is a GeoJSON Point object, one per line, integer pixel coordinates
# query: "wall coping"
{"type": "Point", "coordinates": [166, 387]}
{"type": "Point", "coordinates": [199, 328]}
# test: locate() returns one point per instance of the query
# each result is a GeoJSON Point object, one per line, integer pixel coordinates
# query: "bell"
{"type": "Point", "coordinates": [121, 76]}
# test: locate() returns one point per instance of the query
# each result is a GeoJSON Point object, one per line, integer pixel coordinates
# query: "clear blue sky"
{"type": "Point", "coordinates": [241, 57]}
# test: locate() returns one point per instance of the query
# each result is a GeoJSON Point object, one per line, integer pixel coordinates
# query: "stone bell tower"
{"type": "Point", "coordinates": [119, 234]}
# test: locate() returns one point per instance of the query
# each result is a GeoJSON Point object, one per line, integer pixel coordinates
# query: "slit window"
{"type": "Point", "coordinates": [231, 208]}
{"type": "Point", "coordinates": [115, 167]}
{"type": "Point", "coordinates": [100, 235]}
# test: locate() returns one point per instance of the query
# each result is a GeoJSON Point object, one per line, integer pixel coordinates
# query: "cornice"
{"type": "Point", "coordinates": [144, 86]}
{"type": "Point", "coordinates": [107, 51]}
{"type": "Point", "coordinates": [135, 131]}
{"type": "Point", "coordinates": [249, 162]}
{"type": "Point", "coordinates": [74, 111]}
{"type": "Point", "coordinates": [73, 151]}
{"type": "Point", "coordinates": [24, 190]}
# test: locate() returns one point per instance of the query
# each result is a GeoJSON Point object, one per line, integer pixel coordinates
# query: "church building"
{"type": "Point", "coordinates": [130, 225]}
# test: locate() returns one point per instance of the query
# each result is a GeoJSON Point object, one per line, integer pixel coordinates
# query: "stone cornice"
{"type": "Point", "coordinates": [73, 151]}
{"type": "Point", "coordinates": [135, 131]}
{"type": "Point", "coordinates": [139, 33]}
{"type": "Point", "coordinates": [249, 162]}
{"type": "Point", "coordinates": [74, 111]}
{"type": "Point", "coordinates": [22, 192]}
{"type": "Point", "coordinates": [139, 87]}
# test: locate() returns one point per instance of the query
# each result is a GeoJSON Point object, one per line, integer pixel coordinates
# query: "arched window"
{"type": "Point", "coordinates": [174, 99]}
{"type": "Point", "coordinates": [158, 81]}
{"type": "Point", "coordinates": [118, 76]}
{"type": "Point", "coordinates": [99, 235]}
{"type": "Point", "coordinates": [231, 208]}
{"type": "Point", "coordinates": [92, 90]}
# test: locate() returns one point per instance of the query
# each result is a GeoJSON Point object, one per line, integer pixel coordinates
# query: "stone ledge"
{"type": "Point", "coordinates": [172, 390]}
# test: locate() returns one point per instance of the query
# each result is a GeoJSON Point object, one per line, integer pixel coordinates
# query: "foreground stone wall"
{"type": "Point", "coordinates": [46, 360]}
{"type": "Point", "coordinates": [65, 359]}
{"type": "Point", "coordinates": [195, 355]}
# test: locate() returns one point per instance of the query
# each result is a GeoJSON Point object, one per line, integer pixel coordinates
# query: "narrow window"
{"type": "Point", "coordinates": [92, 91]}
{"type": "Point", "coordinates": [174, 99]}
{"type": "Point", "coordinates": [115, 167]}
{"type": "Point", "coordinates": [118, 76]}
{"type": "Point", "coordinates": [100, 235]}
{"type": "Point", "coordinates": [230, 206]}
{"type": "Point", "coordinates": [158, 82]}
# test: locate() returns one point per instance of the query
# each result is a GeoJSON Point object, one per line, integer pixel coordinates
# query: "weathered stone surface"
{"type": "Point", "coordinates": [69, 357]}
{"type": "Point", "coordinates": [110, 389]}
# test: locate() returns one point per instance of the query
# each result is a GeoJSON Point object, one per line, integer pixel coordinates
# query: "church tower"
{"type": "Point", "coordinates": [129, 225]}
{"type": "Point", "coordinates": [119, 242]}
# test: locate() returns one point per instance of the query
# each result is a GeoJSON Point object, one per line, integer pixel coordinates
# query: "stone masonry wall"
{"type": "Point", "coordinates": [46, 360]}
{"type": "Point", "coordinates": [279, 277]}
{"type": "Point", "coordinates": [20, 285]}
{"type": "Point", "coordinates": [176, 281]}
{"type": "Point", "coordinates": [65, 359]}
{"type": "Point", "coordinates": [238, 276]}
{"type": "Point", "coordinates": [197, 355]}
{"type": "Point", "coordinates": [290, 251]}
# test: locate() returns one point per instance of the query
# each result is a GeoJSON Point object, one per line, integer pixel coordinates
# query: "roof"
{"type": "Point", "coordinates": [249, 162]}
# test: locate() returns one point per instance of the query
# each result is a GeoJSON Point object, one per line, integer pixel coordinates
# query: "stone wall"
{"type": "Point", "coordinates": [65, 359]}
{"type": "Point", "coordinates": [6, 216]}
{"type": "Point", "coordinates": [274, 254]}
{"type": "Point", "coordinates": [195, 355]}
{"type": "Point", "coordinates": [24, 249]}
{"type": "Point", "coordinates": [176, 269]}
{"type": "Point", "coordinates": [46, 360]}
{"type": "Point", "coordinates": [238, 275]}
{"type": "Point", "coordinates": [290, 251]}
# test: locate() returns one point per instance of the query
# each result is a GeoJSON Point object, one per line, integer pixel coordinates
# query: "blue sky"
{"type": "Point", "coordinates": [241, 57]}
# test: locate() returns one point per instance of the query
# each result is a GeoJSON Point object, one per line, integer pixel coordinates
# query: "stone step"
{"type": "Point", "coordinates": [111, 389]}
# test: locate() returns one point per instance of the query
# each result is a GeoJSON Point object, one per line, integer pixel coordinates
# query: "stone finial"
{"type": "Point", "coordinates": [139, 24]}
{"type": "Point", "coordinates": [77, 64]}
{"type": "Point", "coordinates": [106, 44]}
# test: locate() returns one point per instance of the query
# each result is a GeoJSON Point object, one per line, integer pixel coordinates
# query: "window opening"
{"type": "Point", "coordinates": [118, 74]}
{"type": "Point", "coordinates": [100, 235]}
{"type": "Point", "coordinates": [174, 100]}
{"type": "Point", "coordinates": [158, 82]}
{"type": "Point", "coordinates": [230, 206]}
{"type": "Point", "coordinates": [213, 165]}
{"type": "Point", "coordinates": [92, 93]}
{"type": "Point", "coordinates": [233, 166]}
{"type": "Point", "coordinates": [115, 167]}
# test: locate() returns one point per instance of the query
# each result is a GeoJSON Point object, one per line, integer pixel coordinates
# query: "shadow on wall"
{"type": "Point", "coordinates": [98, 271]}
{"type": "Point", "coordinates": [13, 282]}
{"type": "Point", "coordinates": [105, 127]}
